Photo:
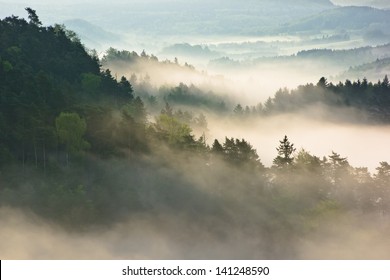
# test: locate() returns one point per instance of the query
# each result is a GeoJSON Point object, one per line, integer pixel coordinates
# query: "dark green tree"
{"type": "Point", "coordinates": [135, 110]}
{"type": "Point", "coordinates": [32, 16]}
{"type": "Point", "coordinates": [217, 148]}
{"type": "Point", "coordinates": [323, 83]}
{"type": "Point", "coordinates": [285, 151]}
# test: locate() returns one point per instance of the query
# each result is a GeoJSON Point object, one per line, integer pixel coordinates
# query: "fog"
{"type": "Point", "coordinates": [318, 129]}
{"type": "Point", "coordinates": [246, 82]}
{"type": "Point", "coordinates": [185, 199]}
{"type": "Point", "coordinates": [364, 145]}
{"type": "Point", "coordinates": [194, 211]}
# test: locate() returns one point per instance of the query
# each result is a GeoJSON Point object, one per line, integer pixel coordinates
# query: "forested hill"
{"type": "Point", "coordinates": [45, 71]}
{"type": "Point", "coordinates": [372, 100]}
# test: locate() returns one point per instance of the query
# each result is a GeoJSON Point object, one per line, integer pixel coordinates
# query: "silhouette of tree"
{"type": "Point", "coordinates": [32, 16]}
{"type": "Point", "coordinates": [285, 151]}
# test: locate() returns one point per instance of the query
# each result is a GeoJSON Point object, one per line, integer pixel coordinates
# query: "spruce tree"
{"type": "Point", "coordinates": [285, 151]}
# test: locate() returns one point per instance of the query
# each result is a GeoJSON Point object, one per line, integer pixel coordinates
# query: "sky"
{"type": "Point", "coordinates": [343, 2]}
{"type": "Point", "coordinates": [374, 3]}
{"type": "Point", "coordinates": [53, 12]}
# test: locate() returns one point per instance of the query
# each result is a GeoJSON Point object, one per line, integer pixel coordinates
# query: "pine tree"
{"type": "Point", "coordinates": [32, 16]}
{"type": "Point", "coordinates": [285, 151]}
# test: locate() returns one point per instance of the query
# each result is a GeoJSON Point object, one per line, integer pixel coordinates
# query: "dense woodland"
{"type": "Point", "coordinates": [371, 99]}
{"type": "Point", "coordinates": [78, 147]}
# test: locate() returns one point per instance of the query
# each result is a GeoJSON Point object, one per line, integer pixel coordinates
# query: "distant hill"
{"type": "Point", "coordinates": [343, 59]}
{"type": "Point", "coordinates": [92, 35]}
{"type": "Point", "coordinates": [204, 17]}
{"type": "Point", "coordinates": [188, 50]}
{"type": "Point", "coordinates": [344, 18]}
{"type": "Point", "coordinates": [372, 71]}
{"type": "Point", "coordinates": [351, 57]}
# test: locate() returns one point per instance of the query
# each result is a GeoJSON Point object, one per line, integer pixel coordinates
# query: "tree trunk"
{"type": "Point", "coordinates": [36, 155]}
{"type": "Point", "coordinates": [44, 158]}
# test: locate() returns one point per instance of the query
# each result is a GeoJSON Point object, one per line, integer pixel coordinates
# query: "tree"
{"type": "Point", "coordinates": [307, 162]}
{"type": "Point", "coordinates": [285, 151]}
{"type": "Point", "coordinates": [268, 105]}
{"type": "Point", "coordinates": [70, 130]}
{"type": "Point", "coordinates": [323, 83]}
{"type": "Point", "coordinates": [217, 148]}
{"type": "Point", "coordinates": [90, 82]}
{"type": "Point", "coordinates": [135, 110]}
{"type": "Point", "coordinates": [238, 110]}
{"type": "Point", "coordinates": [167, 110]}
{"type": "Point", "coordinates": [382, 180]}
{"type": "Point", "coordinates": [238, 152]}
{"type": "Point", "coordinates": [385, 82]}
{"type": "Point", "coordinates": [126, 86]}
{"type": "Point", "coordinates": [174, 131]}
{"type": "Point", "coordinates": [246, 155]}
{"type": "Point", "coordinates": [338, 167]}
{"type": "Point", "coordinates": [383, 174]}
{"type": "Point", "coordinates": [32, 16]}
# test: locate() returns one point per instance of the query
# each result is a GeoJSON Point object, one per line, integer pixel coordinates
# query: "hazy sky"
{"type": "Point", "coordinates": [347, 2]}
{"type": "Point", "coordinates": [374, 3]}
{"type": "Point", "coordinates": [52, 12]}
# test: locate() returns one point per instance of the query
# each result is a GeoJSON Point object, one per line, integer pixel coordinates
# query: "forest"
{"type": "Point", "coordinates": [86, 150]}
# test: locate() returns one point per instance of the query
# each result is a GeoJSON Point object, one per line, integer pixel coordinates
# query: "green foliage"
{"type": "Point", "coordinates": [70, 130]}
{"type": "Point", "coordinates": [324, 212]}
{"type": "Point", "coordinates": [90, 82]}
{"type": "Point", "coordinates": [171, 129]}
{"type": "Point", "coordinates": [45, 71]}
{"type": "Point", "coordinates": [238, 153]}
{"type": "Point", "coordinates": [304, 160]}
{"type": "Point", "coordinates": [193, 96]}
{"type": "Point", "coordinates": [135, 110]}
{"type": "Point", "coordinates": [7, 66]}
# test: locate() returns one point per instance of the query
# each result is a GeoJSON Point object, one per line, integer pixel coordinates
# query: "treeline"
{"type": "Point", "coordinates": [77, 147]}
{"type": "Point", "coordinates": [127, 58]}
{"type": "Point", "coordinates": [370, 98]}
{"type": "Point", "coordinates": [155, 97]}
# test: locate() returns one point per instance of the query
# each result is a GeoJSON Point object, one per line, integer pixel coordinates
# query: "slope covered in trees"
{"type": "Point", "coordinates": [44, 71]}
{"type": "Point", "coordinates": [370, 100]}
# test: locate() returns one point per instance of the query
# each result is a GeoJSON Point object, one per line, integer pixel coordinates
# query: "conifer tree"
{"type": "Point", "coordinates": [285, 151]}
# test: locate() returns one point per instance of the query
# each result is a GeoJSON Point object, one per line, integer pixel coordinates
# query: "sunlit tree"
{"type": "Point", "coordinates": [70, 130]}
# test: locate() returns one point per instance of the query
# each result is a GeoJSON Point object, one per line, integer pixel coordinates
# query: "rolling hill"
{"type": "Point", "coordinates": [343, 18]}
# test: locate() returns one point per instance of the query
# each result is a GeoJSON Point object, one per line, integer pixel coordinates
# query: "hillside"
{"type": "Point", "coordinates": [216, 16]}
{"type": "Point", "coordinates": [45, 71]}
{"type": "Point", "coordinates": [92, 35]}
{"type": "Point", "coordinates": [351, 18]}
{"type": "Point", "coordinates": [370, 71]}
{"type": "Point", "coordinates": [347, 57]}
